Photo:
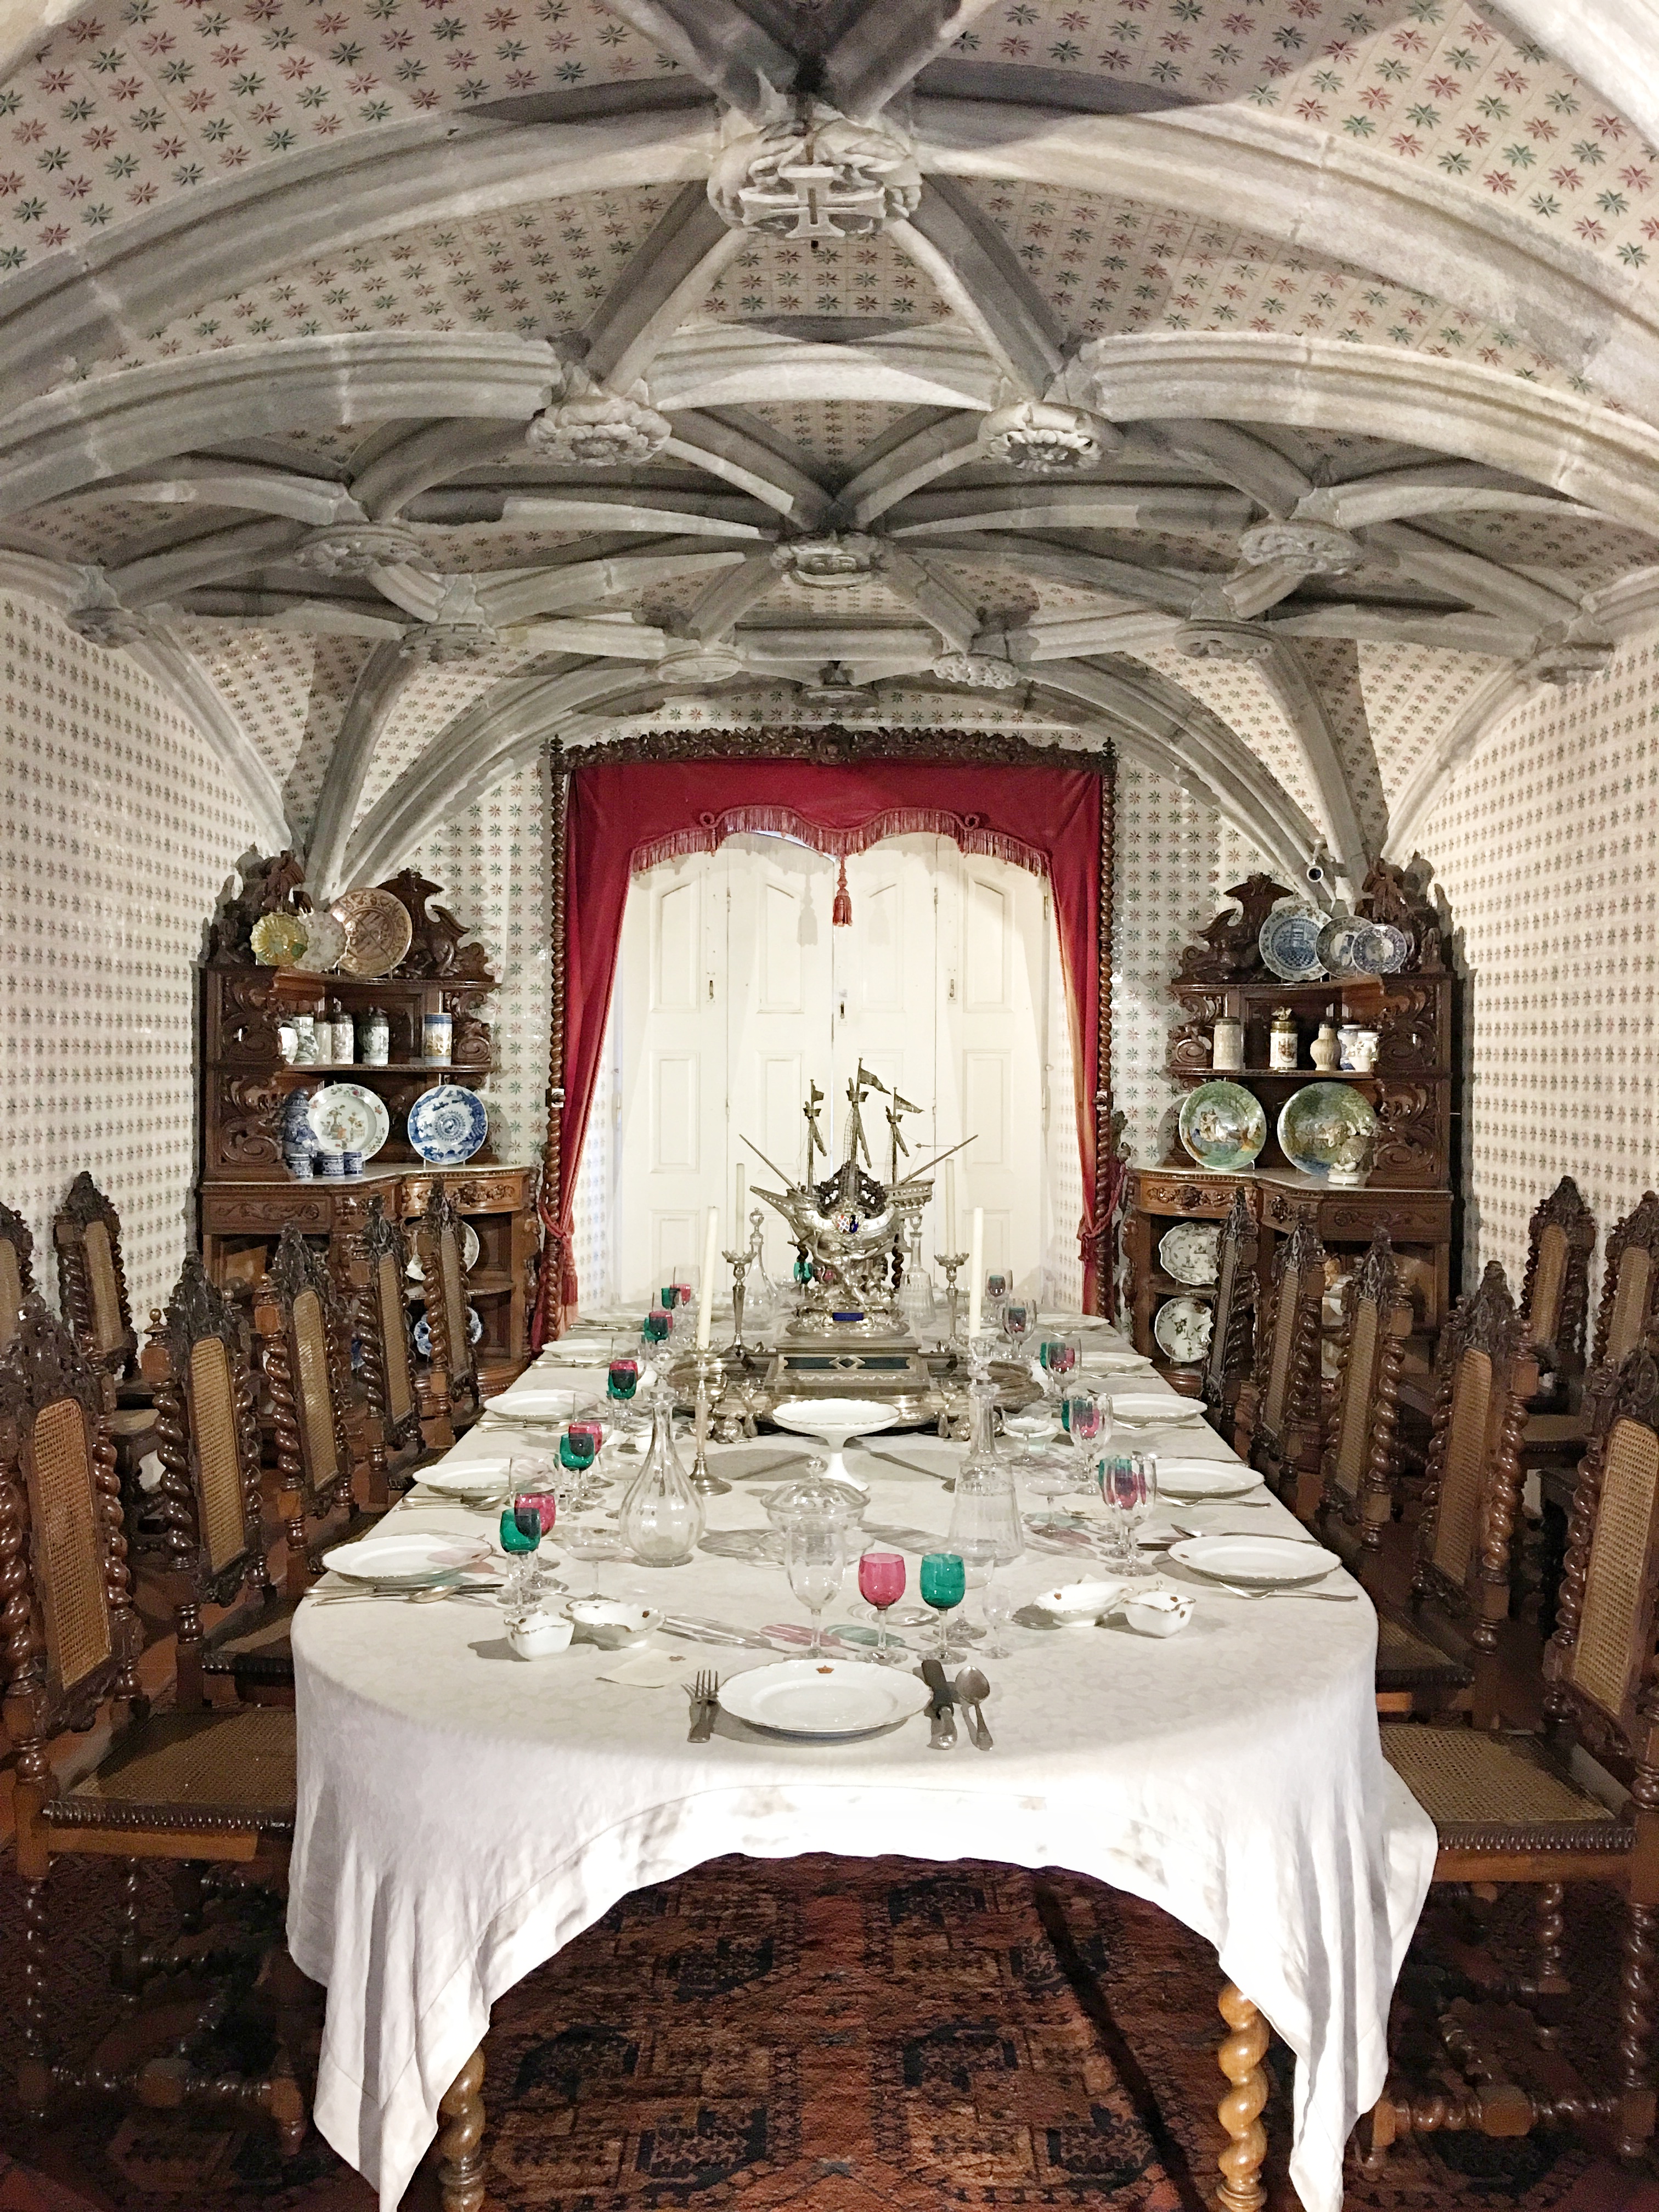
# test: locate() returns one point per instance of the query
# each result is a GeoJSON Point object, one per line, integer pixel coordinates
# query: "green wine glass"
{"type": "Point", "coordinates": [943, 1585]}
{"type": "Point", "coordinates": [521, 1536]}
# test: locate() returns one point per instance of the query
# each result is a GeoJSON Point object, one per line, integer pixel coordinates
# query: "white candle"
{"type": "Point", "coordinates": [976, 1271]}
{"type": "Point", "coordinates": [740, 1194]}
{"type": "Point", "coordinates": [951, 1207]}
{"type": "Point", "coordinates": [711, 1252]}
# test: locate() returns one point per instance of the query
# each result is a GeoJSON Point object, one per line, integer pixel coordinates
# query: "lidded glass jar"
{"type": "Point", "coordinates": [661, 1520]}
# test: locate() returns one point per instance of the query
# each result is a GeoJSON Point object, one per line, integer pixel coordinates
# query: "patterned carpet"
{"type": "Point", "coordinates": [815, 2032]}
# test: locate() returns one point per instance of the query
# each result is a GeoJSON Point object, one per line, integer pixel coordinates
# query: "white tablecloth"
{"type": "Point", "coordinates": [462, 1815]}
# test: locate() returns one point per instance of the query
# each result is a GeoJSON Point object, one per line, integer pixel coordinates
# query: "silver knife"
{"type": "Point", "coordinates": [940, 1713]}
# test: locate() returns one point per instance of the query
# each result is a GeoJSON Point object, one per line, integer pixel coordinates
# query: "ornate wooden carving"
{"type": "Point", "coordinates": [14, 1232]}
{"type": "Point", "coordinates": [1285, 1445]}
{"type": "Point", "coordinates": [1560, 1347]}
{"type": "Point", "coordinates": [1638, 1230]}
{"type": "Point", "coordinates": [1389, 894]}
{"type": "Point", "coordinates": [1228, 952]}
{"type": "Point", "coordinates": [461, 2157]}
{"type": "Point", "coordinates": [1408, 1031]}
{"type": "Point", "coordinates": [436, 948]}
{"type": "Point", "coordinates": [1192, 1045]}
{"type": "Point", "coordinates": [85, 1204]}
{"type": "Point", "coordinates": [832, 745]}
{"type": "Point", "coordinates": [1375, 1283]}
{"type": "Point", "coordinates": [381, 1240]}
{"type": "Point", "coordinates": [452, 1373]}
{"type": "Point", "coordinates": [273, 885]}
{"type": "Point", "coordinates": [1232, 1337]}
{"type": "Point", "coordinates": [295, 1267]}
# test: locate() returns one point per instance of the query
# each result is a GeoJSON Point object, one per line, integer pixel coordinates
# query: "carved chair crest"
{"type": "Point", "coordinates": [1485, 1374]}
{"type": "Point", "coordinates": [1358, 1467]}
{"type": "Point", "coordinates": [443, 1279]}
{"type": "Point", "coordinates": [16, 1270]}
{"type": "Point", "coordinates": [91, 1279]}
{"type": "Point", "coordinates": [1629, 1283]}
{"type": "Point", "coordinates": [1232, 1336]}
{"type": "Point", "coordinates": [67, 1629]}
{"type": "Point", "coordinates": [1287, 1343]}
{"type": "Point", "coordinates": [1555, 1292]}
{"type": "Point", "coordinates": [208, 1432]}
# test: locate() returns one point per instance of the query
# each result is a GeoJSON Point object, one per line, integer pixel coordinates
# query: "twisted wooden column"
{"type": "Point", "coordinates": [549, 1298]}
{"type": "Point", "coordinates": [461, 2157]}
{"type": "Point", "coordinates": [1104, 1200]}
{"type": "Point", "coordinates": [1240, 2057]}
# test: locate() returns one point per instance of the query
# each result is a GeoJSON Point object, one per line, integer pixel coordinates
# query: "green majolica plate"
{"type": "Point", "coordinates": [1223, 1127]}
{"type": "Point", "coordinates": [1326, 1130]}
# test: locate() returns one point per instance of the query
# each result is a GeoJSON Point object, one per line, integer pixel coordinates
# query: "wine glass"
{"type": "Point", "coordinates": [979, 1563]}
{"type": "Point", "coordinates": [996, 1296]}
{"type": "Point", "coordinates": [996, 1604]}
{"type": "Point", "coordinates": [1129, 1488]}
{"type": "Point", "coordinates": [1084, 1418]}
{"type": "Point", "coordinates": [1015, 1323]}
{"type": "Point", "coordinates": [653, 1330]}
{"type": "Point", "coordinates": [621, 1381]}
{"type": "Point", "coordinates": [593, 1541]}
{"type": "Point", "coordinates": [521, 1536]}
{"type": "Point", "coordinates": [943, 1585]}
{"type": "Point", "coordinates": [881, 1584]}
{"type": "Point", "coordinates": [1058, 1355]}
{"type": "Point", "coordinates": [1031, 1427]}
{"type": "Point", "coordinates": [815, 1556]}
{"type": "Point", "coordinates": [1051, 1474]}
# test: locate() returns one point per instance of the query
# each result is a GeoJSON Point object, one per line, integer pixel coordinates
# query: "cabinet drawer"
{"type": "Point", "coordinates": [1175, 1193]}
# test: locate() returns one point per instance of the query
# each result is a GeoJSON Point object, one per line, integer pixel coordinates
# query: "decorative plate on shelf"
{"type": "Point", "coordinates": [448, 1124]}
{"type": "Point", "coordinates": [344, 1117]}
{"type": "Point", "coordinates": [1326, 1130]}
{"type": "Point", "coordinates": [1401, 947]}
{"type": "Point", "coordinates": [1190, 1252]}
{"type": "Point", "coordinates": [423, 1332]}
{"type": "Point", "coordinates": [278, 939]}
{"type": "Point", "coordinates": [324, 942]}
{"type": "Point", "coordinates": [1289, 944]}
{"type": "Point", "coordinates": [1338, 941]}
{"type": "Point", "coordinates": [1182, 1328]}
{"type": "Point", "coordinates": [470, 1250]}
{"type": "Point", "coordinates": [1370, 951]}
{"type": "Point", "coordinates": [1223, 1127]}
{"type": "Point", "coordinates": [378, 932]}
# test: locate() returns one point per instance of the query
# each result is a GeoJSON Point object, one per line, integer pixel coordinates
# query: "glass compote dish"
{"type": "Point", "coordinates": [593, 1542]}
{"type": "Point", "coordinates": [834, 1422]}
{"type": "Point", "coordinates": [1033, 1425]}
{"type": "Point", "coordinates": [1051, 1475]}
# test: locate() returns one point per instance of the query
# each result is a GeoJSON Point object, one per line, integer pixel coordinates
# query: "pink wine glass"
{"type": "Point", "coordinates": [881, 1584]}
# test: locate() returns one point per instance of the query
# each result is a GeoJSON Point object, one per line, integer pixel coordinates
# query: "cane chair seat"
{"type": "Point", "coordinates": [188, 1770]}
{"type": "Point", "coordinates": [1409, 1662]}
{"type": "Point", "coordinates": [1499, 1793]}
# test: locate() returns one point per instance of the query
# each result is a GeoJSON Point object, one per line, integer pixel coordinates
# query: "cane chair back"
{"type": "Point", "coordinates": [208, 1442]}
{"type": "Point", "coordinates": [92, 1281]}
{"type": "Point", "coordinates": [1630, 1284]}
{"type": "Point", "coordinates": [1280, 1421]}
{"type": "Point", "coordinates": [303, 1360]}
{"type": "Point", "coordinates": [16, 1271]}
{"type": "Point", "coordinates": [1358, 1467]}
{"type": "Point", "coordinates": [71, 1635]}
{"type": "Point", "coordinates": [1232, 1335]}
{"type": "Point", "coordinates": [1555, 1292]}
{"type": "Point", "coordinates": [443, 1282]}
{"type": "Point", "coordinates": [1484, 1374]}
{"type": "Point", "coordinates": [376, 1268]}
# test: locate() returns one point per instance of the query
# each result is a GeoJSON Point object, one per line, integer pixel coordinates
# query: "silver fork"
{"type": "Point", "coordinates": [1322, 1597]}
{"type": "Point", "coordinates": [705, 1696]}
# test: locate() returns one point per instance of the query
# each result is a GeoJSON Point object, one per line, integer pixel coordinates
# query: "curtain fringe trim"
{"type": "Point", "coordinates": [967, 831]}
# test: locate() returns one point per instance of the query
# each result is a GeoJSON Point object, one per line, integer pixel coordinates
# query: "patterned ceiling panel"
{"type": "Point", "coordinates": [532, 272]}
{"type": "Point", "coordinates": [426, 704]}
{"type": "Point", "coordinates": [96, 526]}
{"type": "Point", "coordinates": [1414, 694]}
{"type": "Point", "coordinates": [1333, 667]}
{"type": "Point", "coordinates": [1117, 265]}
{"type": "Point", "coordinates": [479, 547]}
{"type": "Point", "coordinates": [789, 602]}
{"type": "Point", "coordinates": [1581, 547]}
{"type": "Point", "coordinates": [133, 104]}
{"type": "Point", "coordinates": [1449, 89]}
{"type": "Point", "coordinates": [865, 278]}
{"type": "Point", "coordinates": [1234, 690]}
{"type": "Point", "coordinates": [826, 432]}
{"type": "Point", "coordinates": [289, 693]}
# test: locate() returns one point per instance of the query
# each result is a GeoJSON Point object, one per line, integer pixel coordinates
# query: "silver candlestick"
{"type": "Point", "coordinates": [951, 1261]}
{"type": "Point", "coordinates": [739, 1263]}
{"type": "Point", "coordinates": [708, 1365]}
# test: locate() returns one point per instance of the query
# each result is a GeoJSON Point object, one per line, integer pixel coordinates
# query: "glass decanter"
{"type": "Point", "coordinates": [661, 1520]}
{"type": "Point", "coordinates": [986, 1509]}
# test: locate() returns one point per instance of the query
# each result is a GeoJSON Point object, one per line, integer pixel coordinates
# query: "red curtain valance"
{"type": "Point", "coordinates": [620, 816]}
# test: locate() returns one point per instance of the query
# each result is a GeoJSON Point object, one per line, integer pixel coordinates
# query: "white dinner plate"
{"type": "Point", "coordinates": [413, 1558]}
{"type": "Point", "coordinates": [1258, 1562]}
{"type": "Point", "coordinates": [482, 1477]}
{"type": "Point", "coordinates": [534, 1405]}
{"type": "Point", "coordinates": [1190, 1479]}
{"type": "Point", "coordinates": [1160, 1409]}
{"type": "Point", "coordinates": [835, 1697]}
{"type": "Point", "coordinates": [1114, 1363]}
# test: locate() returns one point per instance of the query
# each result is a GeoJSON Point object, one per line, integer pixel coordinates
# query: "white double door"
{"type": "Point", "coordinates": [734, 993]}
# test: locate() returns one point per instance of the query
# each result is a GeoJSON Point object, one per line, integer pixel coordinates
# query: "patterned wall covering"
{"type": "Point", "coordinates": [1547, 846]}
{"type": "Point", "coordinates": [118, 829]}
{"type": "Point", "coordinates": [1414, 694]}
{"type": "Point", "coordinates": [289, 692]}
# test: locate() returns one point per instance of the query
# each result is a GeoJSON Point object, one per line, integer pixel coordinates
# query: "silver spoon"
{"type": "Point", "coordinates": [971, 1687]}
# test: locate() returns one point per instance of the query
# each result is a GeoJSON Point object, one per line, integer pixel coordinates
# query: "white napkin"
{"type": "Point", "coordinates": [646, 1670]}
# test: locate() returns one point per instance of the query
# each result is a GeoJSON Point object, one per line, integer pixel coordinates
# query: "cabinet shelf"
{"type": "Point", "coordinates": [439, 1068]}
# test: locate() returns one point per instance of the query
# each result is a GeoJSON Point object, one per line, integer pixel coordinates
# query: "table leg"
{"type": "Point", "coordinates": [461, 2142]}
{"type": "Point", "coordinates": [1240, 2058]}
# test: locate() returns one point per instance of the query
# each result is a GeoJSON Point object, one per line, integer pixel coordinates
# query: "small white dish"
{"type": "Point", "coordinates": [1156, 1612]}
{"type": "Point", "coordinates": [611, 1622]}
{"type": "Point", "coordinates": [539, 1635]}
{"type": "Point", "coordinates": [411, 1559]}
{"type": "Point", "coordinates": [834, 1421]}
{"type": "Point", "coordinates": [1077, 1604]}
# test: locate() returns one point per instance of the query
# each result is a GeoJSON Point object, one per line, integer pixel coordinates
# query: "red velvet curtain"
{"type": "Point", "coordinates": [623, 817]}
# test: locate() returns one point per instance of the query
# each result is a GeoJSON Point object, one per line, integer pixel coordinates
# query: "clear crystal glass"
{"type": "Point", "coordinates": [661, 1520]}
{"type": "Point", "coordinates": [986, 1508]}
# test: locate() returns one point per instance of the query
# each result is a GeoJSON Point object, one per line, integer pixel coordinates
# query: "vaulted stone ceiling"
{"type": "Point", "coordinates": [1269, 384]}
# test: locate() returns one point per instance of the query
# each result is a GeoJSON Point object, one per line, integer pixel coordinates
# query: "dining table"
{"type": "Point", "coordinates": [463, 1813]}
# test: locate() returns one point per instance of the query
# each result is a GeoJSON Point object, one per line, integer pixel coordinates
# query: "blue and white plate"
{"type": "Point", "coordinates": [1289, 944]}
{"type": "Point", "coordinates": [448, 1124]}
{"type": "Point", "coordinates": [423, 1331]}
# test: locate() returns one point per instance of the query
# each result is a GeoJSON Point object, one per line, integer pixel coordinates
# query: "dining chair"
{"type": "Point", "coordinates": [16, 1271]}
{"type": "Point", "coordinates": [1278, 1407]}
{"type": "Point", "coordinates": [372, 1271]}
{"type": "Point", "coordinates": [1509, 1808]}
{"type": "Point", "coordinates": [187, 1785]}
{"type": "Point", "coordinates": [92, 1295]}
{"type": "Point", "coordinates": [450, 1392]}
{"type": "Point", "coordinates": [1232, 1331]}
{"type": "Point", "coordinates": [1555, 1290]}
{"type": "Point", "coordinates": [1485, 1377]}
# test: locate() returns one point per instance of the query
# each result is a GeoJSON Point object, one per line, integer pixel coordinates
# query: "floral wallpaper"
{"type": "Point", "coordinates": [289, 691]}
{"type": "Point", "coordinates": [119, 830]}
{"type": "Point", "coordinates": [1414, 694]}
{"type": "Point", "coordinates": [1546, 848]}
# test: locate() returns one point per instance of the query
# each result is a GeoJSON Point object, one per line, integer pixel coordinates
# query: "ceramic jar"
{"type": "Point", "coordinates": [1324, 1048]}
{"type": "Point", "coordinates": [377, 1038]}
{"type": "Point", "coordinates": [343, 1038]}
{"type": "Point", "coordinates": [437, 1037]}
{"type": "Point", "coordinates": [1345, 1035]}
{"type": "Point", "coordinates": [1227, 1043]}
{"type": "Point", "coordinates": [1282, 1039]}
{"type": "Point", "coordinates": [307, 1046]}
{"type": "Point", "coordinates": [1366, 1046]}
